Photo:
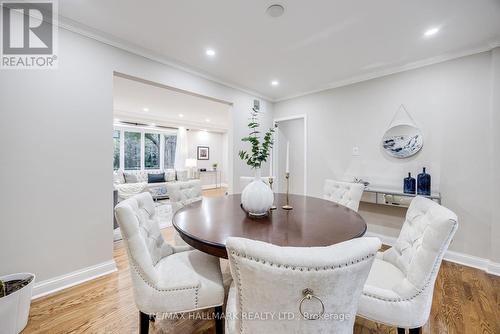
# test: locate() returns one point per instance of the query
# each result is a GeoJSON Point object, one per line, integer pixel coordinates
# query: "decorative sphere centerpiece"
{"type": "Point", "coordinates": [257, 197]}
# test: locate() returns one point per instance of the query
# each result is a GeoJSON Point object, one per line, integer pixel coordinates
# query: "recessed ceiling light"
{"type": "Point", "coordinates": [431, 32]}
{"type": "Point", "coordinates": [210, 52]}
{"type": "Point", "coordinates": [275, 83]}
{"type": "Point", "coordinates": [117, 120]}
{"type": "Point", "coordinates": [208, 120]}
{"type": "Point", "coordinates": [181, 115]}
{"type": "Point", "coordinates": [275, 10]}
{"type": "Point", "coordinates": [153, 124]}
{"type": "Point", "coordinates": [145, 109]}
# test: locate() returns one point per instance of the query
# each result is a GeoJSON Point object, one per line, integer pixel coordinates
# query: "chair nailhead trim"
{"type": "Point", "coordinates": [238, 281]}
{"type": "Point", "coordinates": [196, 288]}
{"type": "Point", "coordinates": [251, 258]}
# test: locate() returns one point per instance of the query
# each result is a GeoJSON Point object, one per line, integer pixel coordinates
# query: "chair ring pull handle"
{"type": "Point", "coordinates": [309, 295]}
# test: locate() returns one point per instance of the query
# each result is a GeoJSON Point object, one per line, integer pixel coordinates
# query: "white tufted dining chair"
{"type": "Point", "coordinates": [165, 278]}
{"type": "Point", "coordinates": [273, 280]}
{"type": "Point", "coordinates": [400, 286]}
{"type": "Point", "coordinates": [180, 195]}
{"type": "Point", "coordinates": [343, 193]}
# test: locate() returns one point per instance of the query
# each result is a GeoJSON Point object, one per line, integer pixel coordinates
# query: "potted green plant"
{"type": "Point", "coordinates": [214, 166]}
{"type": "Point", "coordinates": [257, 198]}
{"type": "Point", "coordinates": [15, 301]}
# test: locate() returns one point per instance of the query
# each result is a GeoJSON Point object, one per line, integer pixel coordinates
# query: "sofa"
{"type": "Point", "coordinates": [132, 182]}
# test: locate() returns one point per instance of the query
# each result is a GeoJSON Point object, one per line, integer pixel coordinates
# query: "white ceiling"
{"type": "Point", "coordinates": [316, 44]}
{"type": "Point", "coordinates": [164, 106]}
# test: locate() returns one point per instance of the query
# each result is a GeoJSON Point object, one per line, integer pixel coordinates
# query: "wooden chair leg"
{"type": "Point", "coordinates": [401, 331]}
{"type": "Point", "coordinates": [218, 320]}
{"type": "Point", "coordinates": [143, 323]}
{"type": "Point", "coordinates": [416, 330]}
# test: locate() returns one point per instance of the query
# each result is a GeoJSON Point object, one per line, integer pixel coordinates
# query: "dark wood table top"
{"type": "Point", "coordinates": [206, 224]}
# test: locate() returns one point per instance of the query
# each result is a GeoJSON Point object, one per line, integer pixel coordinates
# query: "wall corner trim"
{"type": "Point", "coordinates": [483, 264]}
{"type": "Point", "coordinates": [58, 283]}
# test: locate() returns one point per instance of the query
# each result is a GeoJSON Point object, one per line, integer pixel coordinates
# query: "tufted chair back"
{"type": "Point", "coordinates": [246, 180]}
{"type": "Point", "coordinates": [269, 279]}
{"type": "Point", "coordinates": [140, 230]}
{"type": "Point", "coordinates": [183, 193]}
{"type": "Point", "coordinates": [424, 238]}
{"type": "Point", "coordinates": [344, 193]}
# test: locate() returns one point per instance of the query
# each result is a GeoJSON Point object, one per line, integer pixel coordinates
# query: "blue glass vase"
{"type": "Point", "coordinates": [424, 184]}
{"type": "Point", "coordinates": [409, 185]}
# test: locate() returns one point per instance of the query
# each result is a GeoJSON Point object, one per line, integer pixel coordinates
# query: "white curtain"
{"type": "Point", "coordinates": [181, 149]}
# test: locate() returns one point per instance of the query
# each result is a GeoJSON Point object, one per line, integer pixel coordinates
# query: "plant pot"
{"type": "Point", "coordinates": [15, 308]}
{"type": "Point", "coordinates": [257, 198]}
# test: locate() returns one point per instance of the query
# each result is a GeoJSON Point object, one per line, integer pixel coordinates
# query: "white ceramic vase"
{"type": "Point", "coordinates": [15, 308]}
{"type": "Point", "coordinates": [257, 197]}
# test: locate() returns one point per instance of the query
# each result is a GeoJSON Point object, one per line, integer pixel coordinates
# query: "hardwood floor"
{"type": "Point", "coordinates": [466, 301]}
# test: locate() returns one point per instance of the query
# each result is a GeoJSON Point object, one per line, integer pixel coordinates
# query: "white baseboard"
{"type": "Point", "coordinates": [464, 259]}
{"type": "Point", "coordinates": [493, 268]}
{"type": "Point", "coordinates": [58, 283]}
{"type": "Point", "coordinates": [214, 186]}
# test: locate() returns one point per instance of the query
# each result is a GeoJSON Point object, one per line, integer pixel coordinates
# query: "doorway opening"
{"type": "Point", "coordinates": [291, 132]}
{"type": "Point", "coordinates": [163, 135]}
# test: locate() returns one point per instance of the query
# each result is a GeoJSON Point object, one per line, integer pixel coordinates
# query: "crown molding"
{"type": "Point", "coordinates": [396, 69]}
{"type": "Point", "coordinates": [105, 38]}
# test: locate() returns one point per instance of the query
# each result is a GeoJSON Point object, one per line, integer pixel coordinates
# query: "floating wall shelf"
{"type": "Point", "coordinates": [391, 197]}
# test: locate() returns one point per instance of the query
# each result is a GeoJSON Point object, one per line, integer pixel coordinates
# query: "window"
{"type": "Point", "coordinates": [169, 151]}
{"type": "Point", "coordinates": [132, 150]}
{"type": "Point", "coordinates": [138, 148]}
{"type": "Point", "coordinates": [152, 151]}
{"type": "Point", "coordinates": [116, 153]}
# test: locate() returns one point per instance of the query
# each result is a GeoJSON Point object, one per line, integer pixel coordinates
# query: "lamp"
{"type": "Point", "coordinates": [190, 165]}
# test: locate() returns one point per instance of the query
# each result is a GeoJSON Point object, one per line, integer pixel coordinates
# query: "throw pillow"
{"type": "Point", "coordinates": [130, 178]}
{"type": "Point", "coordinates": [181, 174]}
{"type": "Point", "coordinates": [118, 177]}
{"type": "Point", "coordinates": [156, 178]}
{"type": "Point", "coordinates": [170, 175]}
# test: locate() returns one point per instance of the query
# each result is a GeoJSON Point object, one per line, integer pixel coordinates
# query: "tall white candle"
{"type": "Point", "coordinates": [271, 163]}
{"type": "Point", "coordinates": [287, 157]}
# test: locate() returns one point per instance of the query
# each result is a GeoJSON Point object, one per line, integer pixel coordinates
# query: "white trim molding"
{"type": "Point", "coordinates": [58, 283]}
{"type": "Point", "coordinates": [464, 259]}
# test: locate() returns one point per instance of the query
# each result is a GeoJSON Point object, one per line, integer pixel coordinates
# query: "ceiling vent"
{"type": "Point", "coordinates": [275, 10]}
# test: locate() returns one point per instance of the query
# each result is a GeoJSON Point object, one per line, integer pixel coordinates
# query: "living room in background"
{"type": "Point", "coordinates": [158, 129]}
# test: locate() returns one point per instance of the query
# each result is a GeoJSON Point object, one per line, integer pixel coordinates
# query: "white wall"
{"type": "Point", "coordinates": [450, 102]}
{"type": "Point", "coordinates": [55, 184]}
{"type": "Point", "coordinates": [215, 142]}
{"type": "Point", "coordinates": [495, 155]}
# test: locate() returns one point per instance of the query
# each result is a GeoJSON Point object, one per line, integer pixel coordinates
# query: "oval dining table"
{"type": "Point", "coordinates": [313, 222]}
